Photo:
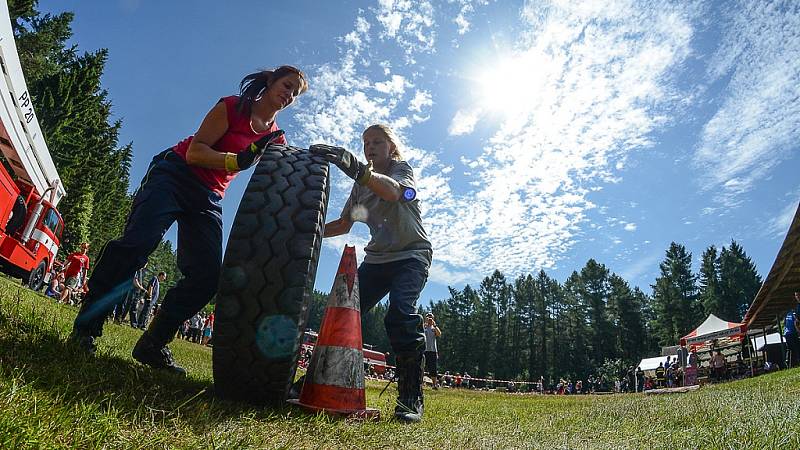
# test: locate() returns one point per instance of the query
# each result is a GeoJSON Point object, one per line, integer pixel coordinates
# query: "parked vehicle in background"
{"type": "Point", "coordinates": [30, 189]}
{"type": "Point", "coordinates": [372, 358]}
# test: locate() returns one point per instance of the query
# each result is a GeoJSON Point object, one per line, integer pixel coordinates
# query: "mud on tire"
{"type": "Point", "coordinates": [268, 276]}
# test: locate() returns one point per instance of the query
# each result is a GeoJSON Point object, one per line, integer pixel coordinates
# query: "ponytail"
{"type": "Point", "coordinates": [255, 84]}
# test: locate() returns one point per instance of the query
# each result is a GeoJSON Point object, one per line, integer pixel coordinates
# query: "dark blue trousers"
{"type": "Point", "coordinates": [403, 281]}
{"type": "Point", "coordinates": [169, 192]}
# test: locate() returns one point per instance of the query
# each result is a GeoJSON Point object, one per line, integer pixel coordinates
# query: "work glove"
{"type": "Point", "coordinates": [245, 159]}
{"type": "Point", "coordinates": [345, 161]}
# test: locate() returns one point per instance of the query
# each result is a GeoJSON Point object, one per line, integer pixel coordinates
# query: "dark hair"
{"type": "Point", "coordinates": [254, 84]}
{"type": "Point", "coordinates": [162, 273]}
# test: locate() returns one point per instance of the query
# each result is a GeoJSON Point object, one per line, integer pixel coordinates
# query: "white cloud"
{"type": "Point", "coordinates": [642, 266]}
{"type": "Point", "coordinates": [408, 22]}
{"type": "Point", "coordinates": [593, 85]}
{"type": "Point", "coordinates": [396, 85]}
{"type": "Point", "coordinates": [422, 99]}
{"type": "Point", "coordinates": [630, 227]}
{"type": "Point", "coordinates": [597, 83]}
{"type": "Point", "coordinates": [467, 7]}
{"type": "Point", "coordinates": [779, 225]}
{"type": "Point", "coordinates": [464, 122]}
{"type": "Point", "coordinates": [757, 124]}
{"type": "Point", "coordinates": [359, 36]}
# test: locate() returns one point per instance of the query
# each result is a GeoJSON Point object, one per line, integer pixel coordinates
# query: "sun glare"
{"type": "Point", "coordinates": [511, 84]}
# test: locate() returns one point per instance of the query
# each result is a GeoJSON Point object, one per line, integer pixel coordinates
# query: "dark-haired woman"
{"type": "Point", "coordinates": [186, 183]}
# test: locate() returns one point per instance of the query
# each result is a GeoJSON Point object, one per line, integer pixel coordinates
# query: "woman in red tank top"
{"type": "Point", "coordinates": [185, 183]}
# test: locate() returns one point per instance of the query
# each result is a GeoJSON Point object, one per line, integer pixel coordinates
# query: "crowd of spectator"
{"type": "Point", "coordinates": [198, 329]}
{"type": "Point", "coordinates": [67, 284]}
{"type": "Point", "coordinates": [68, 279]}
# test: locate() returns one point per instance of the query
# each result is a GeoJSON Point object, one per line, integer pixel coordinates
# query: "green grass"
{"type": "Point", "coordinates": [51, 396]}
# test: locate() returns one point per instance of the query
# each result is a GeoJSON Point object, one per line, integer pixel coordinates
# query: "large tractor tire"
{"type": "Point", "coordinates": [268, 277]}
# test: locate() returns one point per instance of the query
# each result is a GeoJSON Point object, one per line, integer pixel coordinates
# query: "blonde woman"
{"type": "Point", "coordinates": [398, 255]}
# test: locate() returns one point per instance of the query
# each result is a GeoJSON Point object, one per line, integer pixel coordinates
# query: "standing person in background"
{"type": "Point", "coordinates": [194, 328]}
{"type": "Point", "coordinates": [791, 331]}
{"type": "Point", "coordinates": [77, 267]}
{"type": "Point", "coordinates": [151, 298]}
{"type": "Point", "coordinates": [431, 351]}
{"type": "Point", "coordinates": [660, 375]}
{"type": "Point", "coordinates": [186, 183]}
{"type": "Point", "coordinates": [131, 303]}
{"type": "Point", "coordinates": [208, 328]}
{"type": "Point", "coordinates": [718, 366]}
{"type": "Point", "coordinates": [398, 255]}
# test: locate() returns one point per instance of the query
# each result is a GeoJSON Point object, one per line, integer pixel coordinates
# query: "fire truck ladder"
{"type": "Point", "coordinates": [24, 147]}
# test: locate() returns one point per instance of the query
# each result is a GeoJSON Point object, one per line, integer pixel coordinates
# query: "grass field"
{"type": "Point", "coordinates": [51, 396]}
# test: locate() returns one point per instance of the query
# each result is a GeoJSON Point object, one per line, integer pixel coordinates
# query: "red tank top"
{"type": "Point", "coordinates": [239, 135]}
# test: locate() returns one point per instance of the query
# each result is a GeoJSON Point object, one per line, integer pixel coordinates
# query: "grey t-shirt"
{"type": "Point", "coordinates": [395, 227]}
{"type": "Point", "coordinates": [430, 339]}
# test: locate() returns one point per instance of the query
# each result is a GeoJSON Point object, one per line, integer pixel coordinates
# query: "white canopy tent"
{"type": "Point", "coordinates": [648, 364]}
{"type": "Point", "coordinates": [722, 332]}
{"type": "Point", "coordinates": [759, 342]}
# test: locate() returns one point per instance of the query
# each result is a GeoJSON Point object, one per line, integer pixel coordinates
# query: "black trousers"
{"type": "Point", "coordinates": [403, 281]}
{"type": "Point", "coordinates": [170, 192]}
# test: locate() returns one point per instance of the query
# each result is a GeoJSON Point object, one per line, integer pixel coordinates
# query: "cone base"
{"type": "Point", "coordinates": [357, 414]}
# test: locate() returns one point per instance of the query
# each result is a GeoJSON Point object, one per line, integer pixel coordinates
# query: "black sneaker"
{"type": "Point", "coordinates": [84, 341]}
{"type": "Point", "coordinates": [148, 353]}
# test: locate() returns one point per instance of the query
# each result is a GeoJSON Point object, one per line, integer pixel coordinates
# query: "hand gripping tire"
{"type": "Point", "coordinates": [268, 276]}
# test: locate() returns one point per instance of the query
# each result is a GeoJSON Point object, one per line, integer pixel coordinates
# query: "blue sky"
{"type": "Point", "coordinates": [543, 133]}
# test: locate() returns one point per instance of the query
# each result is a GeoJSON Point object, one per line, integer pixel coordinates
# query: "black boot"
{"type": "Point", "coordinates": [409, 385]}
{"type": "Point", "coordinates": [82, 335]}
{"type": "Point", "coordinates": [83, 340]}
{"type": "Point", "coordinates": [152, 350]}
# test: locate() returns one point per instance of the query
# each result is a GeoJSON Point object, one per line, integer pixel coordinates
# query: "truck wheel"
{"type": "Point", "coordinates": [268, 275]}
{"type": "Point", "coordinates": [36, 277]}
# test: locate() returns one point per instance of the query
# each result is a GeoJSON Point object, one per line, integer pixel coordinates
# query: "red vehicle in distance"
{"type": "Point", "coordinates": [374, 359]}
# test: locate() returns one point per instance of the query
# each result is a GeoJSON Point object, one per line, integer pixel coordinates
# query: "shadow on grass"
{"type": "Point", "coordinates": [33, 351]}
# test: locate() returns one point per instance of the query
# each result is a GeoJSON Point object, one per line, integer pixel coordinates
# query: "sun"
{"type": "Point", "coordinates": [512, 84]}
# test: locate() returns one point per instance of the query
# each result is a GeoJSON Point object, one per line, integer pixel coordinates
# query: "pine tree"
{"type": "Point", "coordinates": [495, 290]}
{"type": "Point", "coordinates": [75, 116]}
{"type": "Point", "coordinates": [485, 324]}
{"type": "Point", "coordinates": [739, 282]}
{"type": "Point", "coordinates": [675, 297]}
{"type": "Point", "coordinates": [576, 330]}
{"type": "Point", "coordinates": [594, 277]}
{"type": "Point", "coordinates": [542, 303]}
{"type": "Point", "coordinates": [521, 293]}
{"type": "Point", "coordinates": [460, 307]}
{"type": "Point", "coordinates": [709, 283]}
{"type": "Point", "coordinates": [555, 333]}
{"type": "Point", "coordinates": [625, 311]}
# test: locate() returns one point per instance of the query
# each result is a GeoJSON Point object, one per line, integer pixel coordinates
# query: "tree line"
{"type": "Point", "coordinates": [537, 326]}
{"type": "Point", "coordinates": [594, 322]}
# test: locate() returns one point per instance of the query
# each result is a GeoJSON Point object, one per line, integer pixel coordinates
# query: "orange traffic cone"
{"type": "Point", "coordinates": [334, 381]}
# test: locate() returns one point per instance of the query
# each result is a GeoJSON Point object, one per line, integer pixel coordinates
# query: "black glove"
{"type": "Point", "coordinates": [251, 154]}
{"type": "Point", "coordinates": [345, 161]}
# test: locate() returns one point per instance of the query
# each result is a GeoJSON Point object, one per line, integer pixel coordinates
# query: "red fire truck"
{"type": "Point", "coordinates": [30, 224]}
{"type": "Point", "coordinates": [376, 360]}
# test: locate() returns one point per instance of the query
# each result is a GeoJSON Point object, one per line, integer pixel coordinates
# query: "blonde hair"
{"type": "Point", "coordinates": [390, 136]}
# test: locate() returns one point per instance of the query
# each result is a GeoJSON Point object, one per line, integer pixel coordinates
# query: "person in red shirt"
{"type": "Point", "coordinates": [77, 266]}
{"type": "Point", "coordinates": [185, 183]}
